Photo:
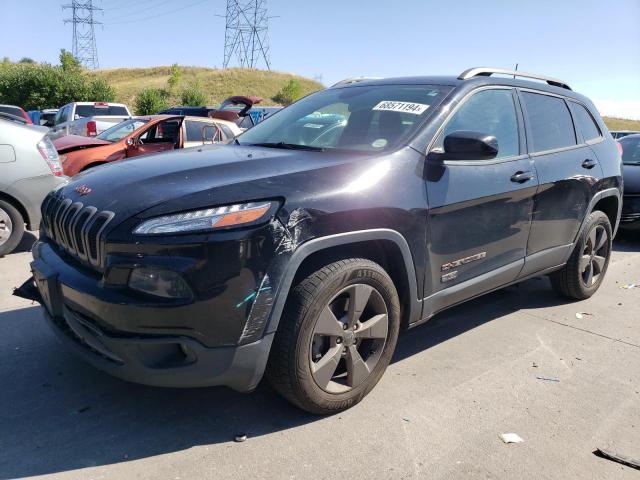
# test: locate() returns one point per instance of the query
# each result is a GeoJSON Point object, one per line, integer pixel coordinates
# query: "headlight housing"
{"type": "Point", "coordinates": [208, 219]}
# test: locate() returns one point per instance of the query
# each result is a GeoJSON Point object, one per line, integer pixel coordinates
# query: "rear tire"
{"type": "Point", "coordinates": [11, 228]}
{"type": "Point", "coordinates": [584, 272]}
{"type": "Point", "coordinates": [336, 336]}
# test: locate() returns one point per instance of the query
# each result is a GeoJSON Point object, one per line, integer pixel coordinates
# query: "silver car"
{"type": "Point", "coordinates": [29, 169]}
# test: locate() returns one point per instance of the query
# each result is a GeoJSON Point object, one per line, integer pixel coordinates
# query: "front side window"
{"type": "Point", "coordinates": [121, 130]}
{"type": "Point", "coordinates": [489, 112]}
{"type": "Point", "coordinates": [550, 123]}
{"type": "Point", "coordinates": [584, 121]}
{"type": "Point", "coordinates": [356, 118]}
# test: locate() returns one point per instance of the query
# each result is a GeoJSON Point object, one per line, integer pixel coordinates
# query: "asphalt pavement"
{"type": "Point", "coordinates": [515, 361]}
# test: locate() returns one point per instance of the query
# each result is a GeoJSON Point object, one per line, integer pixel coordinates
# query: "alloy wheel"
{"type": "Point", "coordinates": [594, 256]}
{"type": "Point", "coordinates": [348, 338]}
{"type": "Point", "coordinates": [6, 227]}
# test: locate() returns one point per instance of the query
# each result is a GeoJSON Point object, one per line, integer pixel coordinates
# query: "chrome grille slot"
{"type": "Point", "coordinates": [77, 229]}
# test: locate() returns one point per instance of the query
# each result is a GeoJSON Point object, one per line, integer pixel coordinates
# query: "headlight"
{"type": "Point", "coordinates": [211, 218]}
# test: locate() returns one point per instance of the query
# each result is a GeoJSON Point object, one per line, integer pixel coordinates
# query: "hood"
{"type": "Point", "coordinates": [69, 143]}
{"type": "Point", "coordinates": [631, 178]}
{"type": "Point", "coordinates": [194, 178]}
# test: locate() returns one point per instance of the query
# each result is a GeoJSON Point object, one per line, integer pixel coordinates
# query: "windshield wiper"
{"type": "Point", "coordinates": [288, 146]}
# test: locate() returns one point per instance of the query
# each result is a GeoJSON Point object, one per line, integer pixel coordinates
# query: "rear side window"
{"type": "Point", "coordinates": [490, 112]}
{"type": "Point", "coordinates": [630, 150]}
{"type": "Point", "coordinates": [549, 122]}
{"type": "Point", "coordinates": [95, 110]}
{"type": "Point", "coordinates": [585, 122]}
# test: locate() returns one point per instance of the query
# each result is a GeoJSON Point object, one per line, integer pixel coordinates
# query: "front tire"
{"type": "Point", "coordinates": [336, 336]}
{"type": "Point", "coordinates": [11, 228]}
{"type": "Point", "coordinates": [584, 272]}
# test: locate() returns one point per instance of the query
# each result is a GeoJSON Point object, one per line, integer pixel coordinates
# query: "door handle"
{"type": "Point", "coordinates": [589, 163]}
{"type": "Point", "coordinates": [521, 177]}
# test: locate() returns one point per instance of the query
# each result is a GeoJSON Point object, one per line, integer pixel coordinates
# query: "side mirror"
{"type": "Point", "coordinates": [466, 145]}
{"type": "Point", "coordinates": [130, 142]}
{"type": "Point", "coordinates": [76, 117]}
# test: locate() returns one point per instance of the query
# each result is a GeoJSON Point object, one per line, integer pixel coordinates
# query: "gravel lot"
{"type": "Point", "coordinates": [455, 384]}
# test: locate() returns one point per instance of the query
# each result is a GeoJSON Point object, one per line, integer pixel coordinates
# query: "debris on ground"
{"type": "Point", "coordinates": [614, 456]}
{"type": "Point", "coordinates": [534, 364]}
{"type": "Point", "coordinates": [240, 438]}
{"type": "Point", "coordinates": [510, 438]}
{"type": "Point", "coordinates": [548, 379]}
{"type": "Point", "coordinates": [630, 286]}
{"type": "Point", "coordinates": [582, 314]}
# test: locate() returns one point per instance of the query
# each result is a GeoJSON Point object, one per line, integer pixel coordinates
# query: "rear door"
{"type": "Point", "coordinates": [479, 211]}
{"type": "Point", "coordinates": [567, 170]}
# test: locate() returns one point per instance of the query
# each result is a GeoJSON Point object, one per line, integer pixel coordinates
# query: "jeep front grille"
{"type": "Point", "coordinates": [76, 228]}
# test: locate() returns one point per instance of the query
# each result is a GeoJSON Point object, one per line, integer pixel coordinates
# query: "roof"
{"type": "Point", "coordinates": [473, 76]}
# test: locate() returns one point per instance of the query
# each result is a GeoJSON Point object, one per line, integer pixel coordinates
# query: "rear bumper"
{"type": "Point", "coordinates": [630, 217]}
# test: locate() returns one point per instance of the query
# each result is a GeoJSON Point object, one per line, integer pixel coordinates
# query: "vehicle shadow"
{"type": "Point", "coordinates": [59, 414]}
{"type": "Point", "coordinates": [28, 239]}
{"type": "Point", "coordinates": [627, 241]}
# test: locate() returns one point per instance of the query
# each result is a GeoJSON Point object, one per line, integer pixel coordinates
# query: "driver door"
{"type": "Point", "coordinates": [159, 137]}
{"type": "Point", "coordinates": [479, 210]}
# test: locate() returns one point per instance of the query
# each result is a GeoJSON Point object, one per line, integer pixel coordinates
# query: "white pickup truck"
{"type": "Point", "coordinates": [87, 118]}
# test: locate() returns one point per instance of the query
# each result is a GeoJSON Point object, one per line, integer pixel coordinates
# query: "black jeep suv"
{"type": "Point", "coordinates": [301, 250]}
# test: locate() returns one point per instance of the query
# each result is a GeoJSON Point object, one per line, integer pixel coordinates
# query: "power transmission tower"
{"type": "Point", "coordinates": [84, 37]}
{"type": "Point", "coordinates": [246, 33]}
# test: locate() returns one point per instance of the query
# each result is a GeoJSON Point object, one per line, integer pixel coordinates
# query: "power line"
{"type": "Point", "coordinates": [246, 33]}
{"type": "Point", "coordinates": [84, 38]}
{"type": "Point", "coordinates": [139, 19]}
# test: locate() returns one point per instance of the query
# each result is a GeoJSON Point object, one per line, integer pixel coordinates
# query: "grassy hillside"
{"type": "Point", "coordinates": [621, 124]}
{"type": "Point", "coordinates": [216, 84]}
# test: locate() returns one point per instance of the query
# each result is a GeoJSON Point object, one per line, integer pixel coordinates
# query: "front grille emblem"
{"type": "Point", "coordinates": [83, 190]}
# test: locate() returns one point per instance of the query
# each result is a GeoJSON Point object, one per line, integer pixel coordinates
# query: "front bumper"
{"type": "Point", "coordinates": [81, 312]}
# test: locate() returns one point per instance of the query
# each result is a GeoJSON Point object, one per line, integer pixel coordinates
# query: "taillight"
{"type": "Point", "coordinates": [50, 155]}
{"type": "Point", "coordinates": [92, 130]}
{"type": "Point", "coordinates": [620, 149]}
{"type": "Point", "coordinates": [26, 117]}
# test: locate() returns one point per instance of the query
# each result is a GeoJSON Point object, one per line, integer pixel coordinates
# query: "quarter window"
{"type": "Point", "coordinates": [584, 122]}
{"type": "Point", "coordinates": [490, 112]}
{"type": "Point", "coordinates": [549, 122]}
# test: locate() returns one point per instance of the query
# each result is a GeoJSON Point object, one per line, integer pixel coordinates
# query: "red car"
{"type": "Point", "coordinates": [140, 136]}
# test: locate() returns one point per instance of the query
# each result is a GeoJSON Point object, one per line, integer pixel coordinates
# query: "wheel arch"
{"type": "Point", "coordinates": [17, 205]}
{"type": "Point", "coordinates": [383, 246]}
{"type": "Point", "coordinates": [609, 202]}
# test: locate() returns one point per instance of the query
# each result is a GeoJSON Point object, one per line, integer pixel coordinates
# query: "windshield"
{"type": "Point", "coordinates": [357, 118]}
{"type": "Point", "coordinates": [121, 130]}
{"type": "Point", "coordinates": [630, 150]}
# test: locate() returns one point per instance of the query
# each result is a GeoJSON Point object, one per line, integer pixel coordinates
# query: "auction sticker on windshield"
{"type": "Point", "coordinates": [407, 107]}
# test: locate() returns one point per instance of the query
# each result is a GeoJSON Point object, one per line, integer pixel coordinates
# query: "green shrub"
{"type": "Point", "coordinates": [150, 101]}
{"type": "Point", "coordinates": [101, 91]}
{"type": "Point", "coordinates": [35, 86]}
{"type": "Point", "coordinates": [193, 97]}
{"type": "Point", "coordinates": [288, 94]}
{"type": "Point", "coordinates": [175, 75]}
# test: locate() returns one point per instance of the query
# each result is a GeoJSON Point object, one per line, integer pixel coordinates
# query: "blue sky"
{"type": "Point", "coordinates": [593, 45]}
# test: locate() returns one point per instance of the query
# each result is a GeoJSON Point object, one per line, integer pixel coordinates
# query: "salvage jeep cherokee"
{"type": "Point", "coordinates": [301, 250]}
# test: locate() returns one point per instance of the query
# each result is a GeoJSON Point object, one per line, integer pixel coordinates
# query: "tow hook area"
{"type": "Point", "coordinates": [28, 291]}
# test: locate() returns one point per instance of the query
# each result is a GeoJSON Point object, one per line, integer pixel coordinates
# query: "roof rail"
{"type": "Point", "coordinates": [488, 71]}
{"type": "Point", "coordinates": [348, 81]}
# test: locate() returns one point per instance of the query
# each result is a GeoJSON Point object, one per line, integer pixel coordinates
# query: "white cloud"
{"type": "Point", "coordinates": [619, 108]}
